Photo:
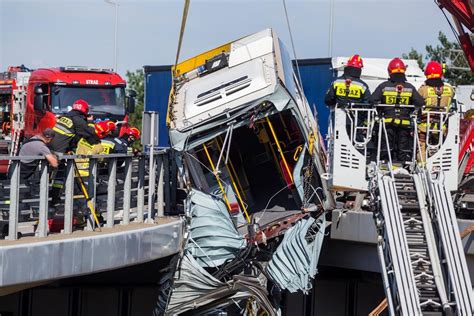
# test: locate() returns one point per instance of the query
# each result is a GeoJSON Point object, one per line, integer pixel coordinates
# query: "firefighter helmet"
{"type": "Point", "coordinates": [112, 126]}
{"type": "Point", "coordinates": [433, 70]}
{"type": "Point", "coordinates": [134, 132]}
{"type": "Point", "coordinates": [102, 129]}
{"type": "Point", "coordinates": [355, 61]}
{"type": "Point", "coordinates": [396, 65]}
{"type": "Point", "coordinates": [81, 106]}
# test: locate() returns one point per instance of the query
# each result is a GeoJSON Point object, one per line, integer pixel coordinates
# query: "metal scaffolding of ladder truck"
{"type": "Point", "coordinates": [422, 260]}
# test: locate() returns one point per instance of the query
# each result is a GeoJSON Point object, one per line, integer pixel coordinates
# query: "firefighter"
{"type": "Point", "coordinates": [438, 96]}
{"type": "Point", "coordinates": [398, 92]}
{"type": "Point", "coordinates": [349, 88]}
{"type": "Point", "coordinates": [69, 129]}
{"type": "Point", "coordinates": [102, 129]}
{"type": "Point", "coordinates": [122, 144]}
{"type": "Point", "coordinates": [73, 126]}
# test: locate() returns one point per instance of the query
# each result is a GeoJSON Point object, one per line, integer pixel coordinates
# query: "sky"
{"type": "Point", "coordinates": [46, 33]}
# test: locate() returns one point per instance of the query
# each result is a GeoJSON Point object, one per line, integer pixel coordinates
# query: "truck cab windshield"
{"type": "Point", "coordinates": [102, 100]}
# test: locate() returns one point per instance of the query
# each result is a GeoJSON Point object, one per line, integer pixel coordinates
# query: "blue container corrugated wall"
{"type": "Point", "coordinates": [157, 90]}
{"type": "Point", "coordinates": [316, 75]}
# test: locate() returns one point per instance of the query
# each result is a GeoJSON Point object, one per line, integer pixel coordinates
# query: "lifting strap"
{"type": "Point", "coordinates": [181, 32]}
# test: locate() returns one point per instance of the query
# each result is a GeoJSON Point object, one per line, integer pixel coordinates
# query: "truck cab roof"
{"type": "Point", "coordinates": [77, 75]}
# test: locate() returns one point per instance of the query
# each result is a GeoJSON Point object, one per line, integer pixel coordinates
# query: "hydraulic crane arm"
{"type": "Point", "coordinates": [462, 12]}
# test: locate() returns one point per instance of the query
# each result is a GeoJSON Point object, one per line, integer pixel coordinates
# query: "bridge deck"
{"type": "Point", "coordinates": [31, 260]}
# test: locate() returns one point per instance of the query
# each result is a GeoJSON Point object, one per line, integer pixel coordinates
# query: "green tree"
{"type": "Point", "coordinates": [136, 81]}
{"type": "Point", "coordinates": [413, 54]}
{"type": "Point", "coordinates": [442, 53]}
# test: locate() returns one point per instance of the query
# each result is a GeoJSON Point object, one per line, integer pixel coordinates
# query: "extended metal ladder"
{"type": "Point", "coordinates": [423, 263]}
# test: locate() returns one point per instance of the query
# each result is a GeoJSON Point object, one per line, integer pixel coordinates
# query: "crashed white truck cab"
{"type": "Point", "coordinates": [250, 153]}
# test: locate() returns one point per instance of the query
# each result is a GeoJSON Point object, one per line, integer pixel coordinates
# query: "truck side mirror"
{"type": "Point", "coordinates": [38, 99]}
{"type": "Point", "coordinates": [131, 104]}
{"type": "Point", "coordinates": [132, 94]}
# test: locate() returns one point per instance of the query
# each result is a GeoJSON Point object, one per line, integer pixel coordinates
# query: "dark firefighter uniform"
{"type": "Point", "coordinates": [347, 89]}
{"type": "Point", "coordinates": [115, 145]}
{"type": "Point", "coordinates": [69, 129]}
{"type": "Point", "coordinates": [397, 91]}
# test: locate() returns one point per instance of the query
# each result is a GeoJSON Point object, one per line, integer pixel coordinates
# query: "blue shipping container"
{"type": "Point", "coordinates": [157, 90]}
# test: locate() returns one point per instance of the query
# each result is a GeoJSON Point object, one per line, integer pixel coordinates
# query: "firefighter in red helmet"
{"type": "Point", "coordinates": [349, 88]}
{"type": "Point", "coordinates": [438, 96]}
{"type": "Point", "coordinates": [102, 129]}
{"type": "Point", "coordinates": [122, 144]}
{"type": "Point", "coordinates": [69, 129]}
{"type": "Point", "coordinates": [399, 93]}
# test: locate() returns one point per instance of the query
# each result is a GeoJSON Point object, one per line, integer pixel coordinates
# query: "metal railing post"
{"type": "Point", "coordinates": [161, 167]}
{"type": "Point", "coordinates": [14, 200]}
{"type": "Point", "coordinates": [111, 186]}
{"type": "Point", "coordinates": [127, 188]}
{"type": "Point", "coordinates": [151, 185]}
{"type": "Point", "coordinates": [42, 230]}
{"type": "Point", "coordinates": [166, 182]}
{"type": "Point", "coordinates": [91, 188]}
{"type": "Point", "coordinates": [174, 183]}
{"type": "Point", "coordinates": [141, 189]}
{"type": "Point", "coordinates": [69, 197]}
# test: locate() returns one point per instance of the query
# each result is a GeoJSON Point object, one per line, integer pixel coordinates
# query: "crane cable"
{"type": "Point", "coordinates": [312, 136]}
{"type": "Point", "coordinates": [292, 42]}
{"type": "Point", "coordinates": [181, 32]}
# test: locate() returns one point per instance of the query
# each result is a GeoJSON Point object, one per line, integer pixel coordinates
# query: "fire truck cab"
{"type": "Point", "coordinates": [52, 92]}
{"type": "Point", "coordinates": [30, 100]}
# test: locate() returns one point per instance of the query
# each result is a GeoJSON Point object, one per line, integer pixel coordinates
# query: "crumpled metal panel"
{"type": "Point", "coordinates": [213, 238]}
{"type": "Point", "coordinates": [294, 263]}
{"type": "Point", "coordinates": [193, 282]}
{"type": "Point", "coordinates": [194, 287]}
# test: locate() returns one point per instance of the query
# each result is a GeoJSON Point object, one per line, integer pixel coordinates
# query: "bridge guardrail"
{"type": "Point", "coordinates": [151, 195]}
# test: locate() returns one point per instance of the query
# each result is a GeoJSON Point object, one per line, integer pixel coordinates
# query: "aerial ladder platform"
{"type": "Point", "coordinates": [421, 256]}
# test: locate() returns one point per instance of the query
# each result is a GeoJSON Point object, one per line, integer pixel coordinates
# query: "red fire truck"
{"type": "Point", "coordinates": [31, 100]}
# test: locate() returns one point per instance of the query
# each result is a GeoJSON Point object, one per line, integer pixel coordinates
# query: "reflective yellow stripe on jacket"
{"type": "Point", "coordinates": [432, 98]}
{"type": "Point", "coordinates": [356, 90]}
{"type": "Point", "coordinates": [64, 126]}
{"type": "Point", "coordinates": [107, 146]}
{"type": "Point", "coordinates": [397, 121]}
{"type": "Point", "coordinates": [59, 130]}
{"type": "Point", "coordinates": [85, 148]}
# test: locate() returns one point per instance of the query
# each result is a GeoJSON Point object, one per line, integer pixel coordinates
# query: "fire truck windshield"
{"type": "Point", "coordinates": [102, 100]}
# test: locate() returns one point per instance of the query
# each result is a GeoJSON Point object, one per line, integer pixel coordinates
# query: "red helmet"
{"type": "Point", "coordinates": [355, 61]}
{"type": "Point", "coordinates": [102, 129]}
{"type": "Point", "coordinates": [134, 132]}
{"type": "Point", "coordinates": [112, 126]}
{"type": "Point", "coordinates": [396, 65]}
{"type": "Point", "coordinates": [433, 70]}
{"type": "Point", "coordinates": [81, 106]}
